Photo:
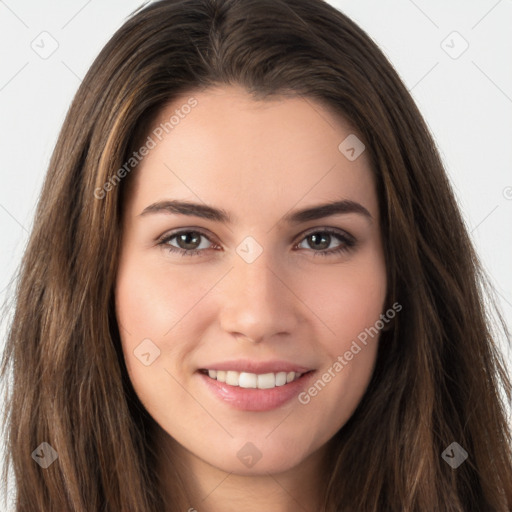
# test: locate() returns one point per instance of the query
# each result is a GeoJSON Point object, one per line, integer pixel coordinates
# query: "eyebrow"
{"type": "Point", "coordinates": [220, 215]}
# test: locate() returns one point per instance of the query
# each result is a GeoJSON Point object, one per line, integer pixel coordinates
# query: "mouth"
{"type": "Point", "coordinates": [255, 392]}
{"type": "Point", "coordinates": [248, 380]}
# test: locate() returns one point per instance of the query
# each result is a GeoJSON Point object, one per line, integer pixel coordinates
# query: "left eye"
{"type": "Point", "coordinates": [190, 243]}
{"type": "Point", "coordinates": [322, 240]}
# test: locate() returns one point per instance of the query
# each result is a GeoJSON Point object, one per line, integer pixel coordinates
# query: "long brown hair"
{"type": "Point", "coordinates": [439, 376]}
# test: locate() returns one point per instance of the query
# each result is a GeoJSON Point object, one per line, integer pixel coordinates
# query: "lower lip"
{"type": "Point", "coordinates": [248, 399]}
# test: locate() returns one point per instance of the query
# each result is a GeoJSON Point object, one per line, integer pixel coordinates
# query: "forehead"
{"type": "Point", "coordinates": [249, 156]}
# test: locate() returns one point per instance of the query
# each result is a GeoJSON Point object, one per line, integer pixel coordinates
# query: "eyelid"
{"type": "Point", "coordinates": [326, 229]}
{"type": "Point", "coordinates": [171, 234]}
{"type": "Point", "coordinates": [177, 231]}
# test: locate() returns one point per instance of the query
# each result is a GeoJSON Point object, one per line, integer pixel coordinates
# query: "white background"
{"type": "Point", "coordinates": [466, 101]}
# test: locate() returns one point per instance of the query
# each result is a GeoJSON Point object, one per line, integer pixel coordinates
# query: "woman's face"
{"type": "Point", "coordinates": [269, 288]}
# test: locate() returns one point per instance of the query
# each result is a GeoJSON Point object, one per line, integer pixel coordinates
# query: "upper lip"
{"type": "Point", "coordinates": [260, 367]}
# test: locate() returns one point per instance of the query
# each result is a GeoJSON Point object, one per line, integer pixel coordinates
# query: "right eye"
{"type": "Point", "coordinates": [187, 242]}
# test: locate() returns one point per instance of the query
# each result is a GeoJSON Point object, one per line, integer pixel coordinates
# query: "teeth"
{"type": "Point", "coordinates": [253, 380]}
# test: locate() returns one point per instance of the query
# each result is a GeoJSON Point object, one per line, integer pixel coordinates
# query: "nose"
{"type": "Point", "coordinates": [257, 301]}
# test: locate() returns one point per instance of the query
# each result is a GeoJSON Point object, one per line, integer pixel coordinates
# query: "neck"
{"type": "Point", "coordinates": [206, 488]}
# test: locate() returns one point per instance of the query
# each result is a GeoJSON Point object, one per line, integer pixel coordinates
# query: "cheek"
{"type": "Point", "coordinates": [157, 302]}
{"type": "Point", "coordinates": [150, 307]}
{"type": "Point", "coordinates": [145, 310]}
{"type": "Point", "coordinates": [144, 307]}
{"type": "Point", "coordinates": [152, 298]}
{"type": "Point", "coordinates": [347, 298]}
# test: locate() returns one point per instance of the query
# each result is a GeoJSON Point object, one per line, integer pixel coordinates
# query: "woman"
{"type": "Point", "coordinates": [249, 286]}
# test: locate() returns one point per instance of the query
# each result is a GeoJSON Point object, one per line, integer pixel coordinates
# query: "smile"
{"type": "Point", "coordinates": [252, 380]}
{"type": "Point", "coordinates": [262, 392]}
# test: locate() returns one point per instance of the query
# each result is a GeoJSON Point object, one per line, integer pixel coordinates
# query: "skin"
{"type": "Point", "coordinates": [258, 161]}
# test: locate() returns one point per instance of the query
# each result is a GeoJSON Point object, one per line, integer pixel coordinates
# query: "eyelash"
{"type": "Point", "coordinates": [347, 242]}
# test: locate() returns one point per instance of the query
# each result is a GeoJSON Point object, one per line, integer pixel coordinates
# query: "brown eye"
{"type": "Point", "coordinates": [319, 242]}
{"type": "Point", "coordinates": [186, 242]}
